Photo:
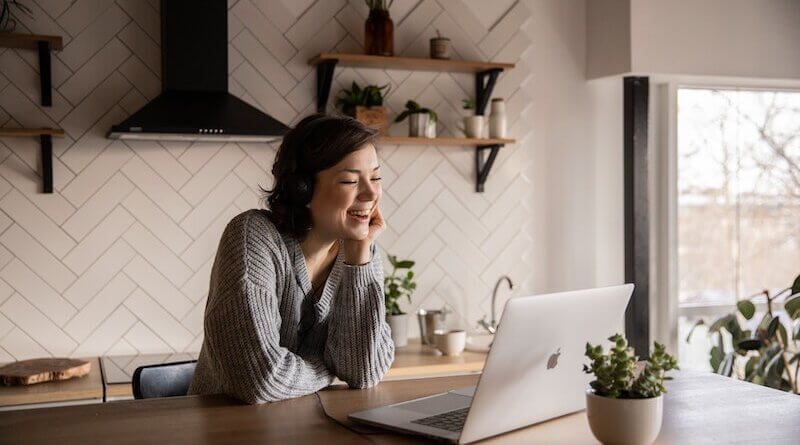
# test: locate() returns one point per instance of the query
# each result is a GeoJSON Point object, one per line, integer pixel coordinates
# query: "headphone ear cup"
{"type": "Point", "coordinates": [301, 189]}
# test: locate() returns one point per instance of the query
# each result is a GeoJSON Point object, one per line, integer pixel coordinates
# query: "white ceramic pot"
{"type": "Point", "coordinates": [450, 342]}
{"type": "Point", "coordinates": [430, 130]}
{"type": "Point", "coordinates": [418, 124]}
{"type": "Point", "coordinates": [399, 327]}
{"type": "Point", "coordinates": [473, 126]}
{"type": "Point", "coordinates": [624, 421]}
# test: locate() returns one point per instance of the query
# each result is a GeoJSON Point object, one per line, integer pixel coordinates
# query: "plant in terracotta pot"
{"type": "Point", "coordinates": [625, 402]}
{"type": "Point", "coordinates": [379, 29]}
{"type": "Point", "coordinates": [396, 286]}
{"type": "Point", "coordinates": [366, 105]}
{"type": "Point", "coordinates": [421, 120]}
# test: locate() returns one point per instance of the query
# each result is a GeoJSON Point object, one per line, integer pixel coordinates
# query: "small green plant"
{"type": "Point", "coordinates": [397, 286]}
{"type": "Point", "coordinates": [616, 373]}
{"type": "Point", "coordinates": [369, 96]}
{"type": "Point", "coordinates": [771, 356]}
{"type": "Point", "coordinates": [379, 4]}
{"type": "Point", "coordinates": [469, 103]}
{"type": "Point", "coordinates": [414, 108]}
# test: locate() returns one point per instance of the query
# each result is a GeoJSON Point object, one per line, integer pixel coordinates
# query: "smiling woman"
{"type": "Point", "coordinates": [296, 294]}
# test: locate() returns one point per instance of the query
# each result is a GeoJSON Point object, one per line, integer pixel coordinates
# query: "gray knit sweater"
{"type": "Point", "coordinates": [268, 337]}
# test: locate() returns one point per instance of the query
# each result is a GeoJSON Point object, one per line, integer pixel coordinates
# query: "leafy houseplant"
{"type": "Point", "coordinates": [366, 105]}
{"type": "Point", "coordinates": [766, 355]}
{"type": "Point", "coordinates": [396, 287]}
{"type": "Point", "coordinates": [625, 403]}
{"type": "Point", "coordinates": [420, 120]}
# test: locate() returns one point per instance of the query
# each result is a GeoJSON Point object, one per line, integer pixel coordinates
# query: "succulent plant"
{"type": "Point", "coordinates": [369, 96]}
{"type": "Point", "coordinates": [620, 375]}
{"type": "Point", "coordinates": [414, 108]}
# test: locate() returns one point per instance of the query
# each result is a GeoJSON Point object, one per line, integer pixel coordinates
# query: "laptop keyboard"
{"type": "Point", "coordinates": [450, 421]}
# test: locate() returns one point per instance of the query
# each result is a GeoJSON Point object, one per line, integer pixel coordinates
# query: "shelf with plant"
{"type": "Point", "coordinates": [366, 105]}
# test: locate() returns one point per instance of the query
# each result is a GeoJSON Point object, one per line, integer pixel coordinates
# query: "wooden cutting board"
{"type": "Point", "coordinates": [38, 370]}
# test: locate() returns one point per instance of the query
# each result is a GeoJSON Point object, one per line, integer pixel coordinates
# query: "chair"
{"type": "Point", "coordinates": [164, 380]}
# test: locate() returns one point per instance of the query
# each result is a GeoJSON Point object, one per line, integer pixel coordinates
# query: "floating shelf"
{"type": "Point", "coordinates": [44, 44]}
{"type": "Point", "coordinates": [486, 74]}
{"type": "Point", "coordinates": [46, 140]}
{"type": "Point", "coordinates": [404, 140]}
{"type": "Point", "coordinates": [409, 63]}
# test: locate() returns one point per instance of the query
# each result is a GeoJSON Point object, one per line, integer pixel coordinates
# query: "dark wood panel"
{"type": "Point", "coordinates": [637, 218]}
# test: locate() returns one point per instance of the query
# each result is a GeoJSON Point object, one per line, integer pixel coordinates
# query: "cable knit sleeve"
{"type": "Point", "coordinates": [242, 326]}
{"type": "Point", "coordinates": [359, 347]}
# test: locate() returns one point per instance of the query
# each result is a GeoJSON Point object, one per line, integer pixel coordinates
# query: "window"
{"type": "Point", "coordinates": [738, 202]}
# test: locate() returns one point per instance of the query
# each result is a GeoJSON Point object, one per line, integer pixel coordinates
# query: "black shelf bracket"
{"type": "Point", "coordinates": [47, 162]}
{"type": "Point", "coordinates": [44, 73]}
{"type": "Point", "coordinates": [482, 167]}
{"type": "Point", "coordinates": [484, 84]}
{"type": "Point", "coordinates": [324, 80]}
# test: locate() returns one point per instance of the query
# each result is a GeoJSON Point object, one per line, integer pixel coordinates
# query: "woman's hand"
{"type": "Point", "coordinates": [357, 252]}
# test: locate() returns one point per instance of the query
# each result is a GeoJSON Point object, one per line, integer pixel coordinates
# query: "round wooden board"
{"type": "Point", "coordinates": [38, 370]}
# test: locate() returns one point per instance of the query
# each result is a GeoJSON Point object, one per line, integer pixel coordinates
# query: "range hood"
{"type": "Point", "coordinates": [194, 104]}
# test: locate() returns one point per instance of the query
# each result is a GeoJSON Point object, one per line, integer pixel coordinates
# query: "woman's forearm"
{"type": "Point", "coordinates": [359, 347]}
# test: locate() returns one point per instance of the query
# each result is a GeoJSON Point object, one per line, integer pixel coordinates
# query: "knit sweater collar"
{"type": "Point", "coordinates": [301, 270]}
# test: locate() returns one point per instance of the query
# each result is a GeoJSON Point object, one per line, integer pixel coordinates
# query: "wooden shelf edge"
{"type": "Point", "coordinates": [411, 63]}
{"type": "Point", "coordinates": [406, 140]}
{"type": "Point", "coordinates": [20, 40]}
{"type": "Point", "coordinates": [27, 132]}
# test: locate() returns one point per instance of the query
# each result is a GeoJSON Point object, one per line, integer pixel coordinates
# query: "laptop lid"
{"type": "Point", "coordinates": [534, 368]}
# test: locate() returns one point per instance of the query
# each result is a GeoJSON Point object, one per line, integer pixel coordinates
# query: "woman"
{"type": "Point", "coordinates": [296, 295]}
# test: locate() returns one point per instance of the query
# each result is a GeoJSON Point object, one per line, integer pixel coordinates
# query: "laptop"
{"type": "Point", "coordinates": [534, 370]}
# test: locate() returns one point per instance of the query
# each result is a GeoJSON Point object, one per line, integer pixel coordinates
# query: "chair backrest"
{"type": "Point", "coordinates": [164, 380]}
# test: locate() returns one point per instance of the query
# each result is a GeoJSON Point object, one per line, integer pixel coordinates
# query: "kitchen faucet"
{"type": "Point", "coordinates": [492, 326]}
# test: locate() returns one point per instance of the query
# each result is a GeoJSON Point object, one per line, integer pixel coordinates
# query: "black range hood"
{"type": "Point", "coordinates": [194, 104]}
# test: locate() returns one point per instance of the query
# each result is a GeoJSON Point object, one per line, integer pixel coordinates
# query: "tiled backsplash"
{"type": "Point", "coordinates": [117, 260]}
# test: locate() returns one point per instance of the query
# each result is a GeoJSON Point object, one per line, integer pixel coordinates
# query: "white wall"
{"type": "Point", "coordinates": [738, 38]}
{"type": "Point", "coordinates": [741, 38]}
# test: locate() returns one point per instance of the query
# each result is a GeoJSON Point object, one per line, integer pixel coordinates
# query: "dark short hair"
{"type": "Point", "coordinates": [316, 143]}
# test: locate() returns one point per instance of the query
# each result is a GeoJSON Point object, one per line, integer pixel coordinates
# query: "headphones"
{"type": "Point", "coordinates": [299, 184]}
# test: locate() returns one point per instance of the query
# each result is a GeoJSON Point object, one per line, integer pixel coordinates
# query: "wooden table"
{"type": "Point", "coordinates": [700, 408]}
{"type": "Point", "coordinates": [413, 361]}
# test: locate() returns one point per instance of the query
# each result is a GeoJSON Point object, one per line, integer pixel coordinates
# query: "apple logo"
{"type": "Point", "coordinates": [552, 362]}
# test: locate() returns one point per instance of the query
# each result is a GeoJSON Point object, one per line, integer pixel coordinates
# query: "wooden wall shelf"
{"type": "Point", "coordinates": [46, 142]}
{"type": "Point", "coordinates": [486, 74]}
{"type": "Point", "coordinates": [404, 140]}
{"type": "Point", "coordinates": [409, 63]}
{"type": "Point", "coordinates": [44, 44]}
{"type": "Point", "coordinates": [29, 41]}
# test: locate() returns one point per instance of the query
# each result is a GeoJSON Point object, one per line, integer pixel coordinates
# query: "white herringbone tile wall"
{"type": "Point", "coordinates": [117, 260]}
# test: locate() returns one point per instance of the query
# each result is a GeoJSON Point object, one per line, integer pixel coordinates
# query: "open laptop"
{"type": "Point", "coordinates": [533, 371]}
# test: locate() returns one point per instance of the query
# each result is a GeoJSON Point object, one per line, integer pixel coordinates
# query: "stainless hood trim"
{"type": "Point", "coordinates": [184, 137]}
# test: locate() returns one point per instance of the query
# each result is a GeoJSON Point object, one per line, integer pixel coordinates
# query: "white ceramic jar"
{"type": "Point", "coordinates": [497, 120]}
{"type": "Point", "coordinates": [624, 421]}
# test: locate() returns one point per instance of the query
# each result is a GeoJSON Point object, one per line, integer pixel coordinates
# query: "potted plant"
{"type": "Point", "coordinates": [421, 121]}
{"type": "Point", "coordinates": [366, 105]}
{"type": "Point", "coordinates": [473, 124]}
{"type": "Point", "coordinates": [625, 402]}
{"type": "Point", "coordinates": [769, 353]}
{"type": "Point", "coordinates": [379, 29]}
{"type": "Point", "coordinates": [396, 287]}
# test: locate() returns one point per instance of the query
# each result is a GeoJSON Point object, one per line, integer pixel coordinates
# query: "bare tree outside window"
{"type": "Point", "coordinates": [738, 194]}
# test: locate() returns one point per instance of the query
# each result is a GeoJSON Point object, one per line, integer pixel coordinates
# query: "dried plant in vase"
{"type": "Point", "coordinates": [379, 29]}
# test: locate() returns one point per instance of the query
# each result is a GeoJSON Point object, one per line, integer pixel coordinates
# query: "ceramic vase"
{"type": "Point", "coordinates": [624, 421]}
{"type": "Point", "coordinates": [399, 327]}
{"type": "Point", "coordinates": [418, 124]}
{"type": "Point", "coordinates": [473, 126]}
{"type": "Point", "coordinates": [497, 120]}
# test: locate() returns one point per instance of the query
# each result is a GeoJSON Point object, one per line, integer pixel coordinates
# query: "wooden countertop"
{"type": "Point", "coordinates": [412, 361]}
{"type": "Point", "coordinates": [89, 386]}
{"type": "Point", "coordinates": [699, 408]}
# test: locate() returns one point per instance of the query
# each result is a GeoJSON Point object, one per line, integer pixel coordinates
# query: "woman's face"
{"type": "Point", "coordinates": [345, 196]}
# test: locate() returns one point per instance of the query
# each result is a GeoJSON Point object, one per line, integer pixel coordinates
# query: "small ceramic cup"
{"type": "Point", "coordinates": [451, 342]}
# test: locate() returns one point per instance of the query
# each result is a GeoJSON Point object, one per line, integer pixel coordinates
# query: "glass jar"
{"type": "Point", "coordinates": [379, 33]}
